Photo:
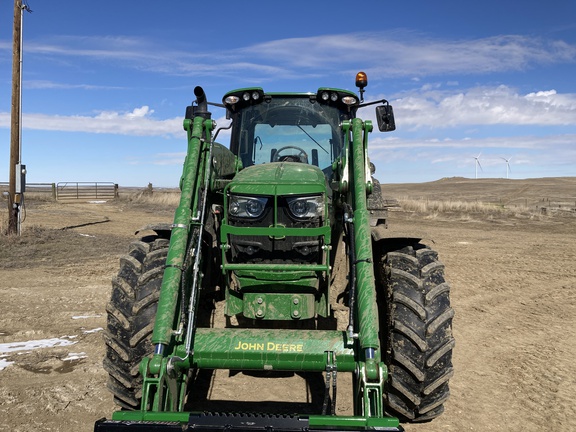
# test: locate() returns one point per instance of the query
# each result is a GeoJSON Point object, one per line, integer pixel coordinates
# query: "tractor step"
{"type": "Point", "coordinates": [212, 422]}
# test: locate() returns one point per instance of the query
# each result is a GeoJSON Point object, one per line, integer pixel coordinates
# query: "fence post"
{"type": "Point", "coordinates": [54, 191]}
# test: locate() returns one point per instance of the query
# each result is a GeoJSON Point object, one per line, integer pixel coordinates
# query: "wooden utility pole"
{"type": "Point", "coordinates": [13, 200]}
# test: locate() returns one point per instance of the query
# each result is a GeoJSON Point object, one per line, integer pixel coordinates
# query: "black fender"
{"type": "Point", "coordinates": [163, 230]}
{"type": "Point", "coordinates": [381, 232]}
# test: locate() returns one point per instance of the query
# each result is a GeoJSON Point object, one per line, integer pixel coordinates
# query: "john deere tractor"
{"type": "Point", "coordinates": [279, 260]}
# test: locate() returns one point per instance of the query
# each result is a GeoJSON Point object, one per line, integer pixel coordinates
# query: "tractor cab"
{"type": "Point", "coordinates": [289, 127]}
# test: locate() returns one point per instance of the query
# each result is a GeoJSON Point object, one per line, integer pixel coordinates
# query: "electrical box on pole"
{"type": "Point", "coordinates": [20, 178]}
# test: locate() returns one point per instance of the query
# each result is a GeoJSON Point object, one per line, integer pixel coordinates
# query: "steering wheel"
{"type": "Point", "coordinates": [302, 156]}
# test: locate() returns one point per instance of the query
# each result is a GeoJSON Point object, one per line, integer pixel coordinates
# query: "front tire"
{"type": "Point", "coordinates": [416, 330]}
{"type": "Point", "coordinates": [131, 313]}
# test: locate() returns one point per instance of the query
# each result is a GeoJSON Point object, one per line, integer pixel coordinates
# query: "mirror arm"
{"type": "Point", "coordinates": [216, 104]}
{"type": "Point", "coordinates": [384, 101]}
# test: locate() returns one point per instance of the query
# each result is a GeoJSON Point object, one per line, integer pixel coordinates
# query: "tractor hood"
{"type": "Point", "coordinates": [279, 178]}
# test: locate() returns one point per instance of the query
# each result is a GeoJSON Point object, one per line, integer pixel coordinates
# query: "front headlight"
{"type": "Point", "coordinates": [246, 207]}
{"type": "Point", "coordinates": [306, 207]}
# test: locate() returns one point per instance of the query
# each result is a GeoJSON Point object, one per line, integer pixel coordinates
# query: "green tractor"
{"type": "Point", "coordinates": [279, 261]}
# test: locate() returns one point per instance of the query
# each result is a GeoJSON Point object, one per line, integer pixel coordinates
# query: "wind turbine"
{"type": "Point", "coordinates": [507, 165]}
{"type": "Point", "coordinates": [477, 164]}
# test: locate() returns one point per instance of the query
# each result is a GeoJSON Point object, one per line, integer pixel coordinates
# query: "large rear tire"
{"type": "Point", "coordinates": [131, 312]}
{"type": "Point", "coordinates": [416, 330]}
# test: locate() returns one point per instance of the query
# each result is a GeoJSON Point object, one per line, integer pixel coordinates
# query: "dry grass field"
{"type": "Point", "coordinates": [509, 247]}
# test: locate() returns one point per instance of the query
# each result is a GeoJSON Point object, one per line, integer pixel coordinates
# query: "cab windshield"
{"type": "Point", "coordinates": [288, 129]}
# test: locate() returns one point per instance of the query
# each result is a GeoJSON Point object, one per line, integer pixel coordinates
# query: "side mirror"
{"type": "Point", "coordinates": [385, 117]}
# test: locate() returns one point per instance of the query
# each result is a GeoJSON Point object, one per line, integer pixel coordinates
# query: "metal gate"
{"type": "Point", "coordinates": [67, 191]}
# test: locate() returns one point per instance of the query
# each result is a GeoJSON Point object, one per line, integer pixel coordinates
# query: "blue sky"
{"type": "Point", "coordinates": [106, 83]}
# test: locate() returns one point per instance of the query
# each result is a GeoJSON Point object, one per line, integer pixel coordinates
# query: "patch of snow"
{"type": "Point", "coordinates": [75, 356]}
{"type": "Point", "coordinates": [86, 235]}
{"type": "Point", "coordinates": [96, 202]}
{"type": "Point", "coordinates": [85, 316]}
{"type": "Point", "coordinates": [4, 364]}
{"type": "Point", "coordinates": [96, 330]}
{"type": "Point", "coordinates": [36, 344]}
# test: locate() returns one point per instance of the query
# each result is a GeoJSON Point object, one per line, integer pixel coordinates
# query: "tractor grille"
{"type": "Point", "coordinates": [290, 249]}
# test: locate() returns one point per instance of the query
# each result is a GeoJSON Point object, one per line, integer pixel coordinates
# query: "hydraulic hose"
{"type": "Point", "coordinates": [352, 280]}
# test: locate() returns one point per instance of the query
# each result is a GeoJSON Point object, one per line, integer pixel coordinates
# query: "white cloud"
{"type": "Point", "coordinates": [384, 54]}
{"type": "Point", "coordinates": [402, 53]}
{"type": "Point", "coordinates": [474, 145]}
{"type": "Point", "coordinates": [138, 122]}
{"type": "Point", "coordinates": [430, 107]}
{"type": "Point", "coordinates": [140, 112]}
{"type": "Point", "coordinates": [45, 84]}
{"type": "Point", "coordinates": [502, 105]}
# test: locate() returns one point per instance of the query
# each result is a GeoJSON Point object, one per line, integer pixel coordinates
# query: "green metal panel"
{"type": "Point", "coordinates": [225, 166]}
{"type": "Point", "coordinates": [187, 208]}
{"type": "Point", "coordinates": [148, 416]}
{"type": "Point", "coordinates": [366, 289]}
{"type": "Point", "coordinates": [279, 306]}
{"type": "Point", "coordinates": [279, 173]}
{"type": "Point", "coordinates": [277, 267]}
{"type": "Point", "coordinates": [277, 280]}
{"type": "Point", "coordinates": [277, 231]}
{"type": "Point", "coordinates": [270, 349]}
{"type": "Point", "coordinates": [361, 423]}
{"type": "Point", "coordinates": [279, 179]}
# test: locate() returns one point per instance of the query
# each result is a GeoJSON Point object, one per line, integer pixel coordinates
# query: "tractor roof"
{"type": "Point", "coordinates": [236, 100]}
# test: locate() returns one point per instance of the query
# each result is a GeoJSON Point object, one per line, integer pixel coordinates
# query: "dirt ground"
{"type": "Point", "coordinates": [513, 289]}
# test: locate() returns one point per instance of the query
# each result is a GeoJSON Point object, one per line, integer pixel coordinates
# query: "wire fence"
{"type": "Point", "coordinates": [45, 189]}
{"type": "Point", "coordinates": [69, 191]}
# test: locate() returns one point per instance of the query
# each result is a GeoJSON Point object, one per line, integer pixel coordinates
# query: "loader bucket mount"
{"type": "Point", "coordinates": [214, 422]}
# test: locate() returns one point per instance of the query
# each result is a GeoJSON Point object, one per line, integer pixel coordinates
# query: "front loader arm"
{"type": "Point", "coordinates": [366, 289]}
{"type": "Point", "coordinates": [372, 372]}
{"type": "Point", "coordinates": [169, 333]}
